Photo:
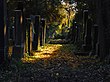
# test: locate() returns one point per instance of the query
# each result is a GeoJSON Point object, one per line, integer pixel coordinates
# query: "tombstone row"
{"type": "Point", "coordinates": [28, 34]}
{"type": "Point", "coordinates": [96, 36]}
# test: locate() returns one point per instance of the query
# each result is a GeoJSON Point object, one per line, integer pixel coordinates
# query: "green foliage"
{"type": "Point", "coordinates": [57, 16]}
{"type": "Point", "coordinates": [52, 10]}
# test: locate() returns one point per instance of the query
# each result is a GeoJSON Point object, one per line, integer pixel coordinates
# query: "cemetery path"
{"type": "Point", "coordinates": [57, 63]}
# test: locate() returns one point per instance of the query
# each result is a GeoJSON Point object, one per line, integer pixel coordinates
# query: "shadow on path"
{"type": "Point", "coordinates": [57, 63]}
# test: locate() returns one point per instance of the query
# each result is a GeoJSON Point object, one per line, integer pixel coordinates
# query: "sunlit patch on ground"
{"type": "Point", "coordinates": [47, 52]}
{"type": "Point", "coordinates": [54, 54]}
{"type": "Point", "coordinates": [33, 59]}
{"type": "Point", "coordinates": [57, 63]}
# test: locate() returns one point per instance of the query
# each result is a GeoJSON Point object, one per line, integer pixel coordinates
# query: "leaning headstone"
{"type": "Point", "coordinates": [43, 32]}
{"type": "Point", "coordinates": [18, 49]}
{"type": "Point", "coordinates": [36, 37]}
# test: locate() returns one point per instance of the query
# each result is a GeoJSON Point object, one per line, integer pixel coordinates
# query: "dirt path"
{"type": "Point", "coordinates": [57, 63]}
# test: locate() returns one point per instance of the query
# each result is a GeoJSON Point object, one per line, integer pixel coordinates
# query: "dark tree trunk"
{"type": "Point", "coordinates": [3, 32]}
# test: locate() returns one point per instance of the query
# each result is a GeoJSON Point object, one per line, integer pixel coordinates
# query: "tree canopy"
{"type": "Point", "coordinates": [59, 13]}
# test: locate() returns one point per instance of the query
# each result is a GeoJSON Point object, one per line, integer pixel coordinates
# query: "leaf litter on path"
{"type": "Point", "coordinates": [57, 63]}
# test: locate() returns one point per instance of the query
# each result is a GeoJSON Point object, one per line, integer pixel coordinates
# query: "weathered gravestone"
{"type": "Point", "coordinates": [43, 32]}
{"type": "Point", "coordinates": [32, 21]}
{"type": "Point", "coordinates": [24, 30]}
{"type": "Point", "coordinates": [36, 37]}
{"type": "Point", "coordinates": [20, 6]}
{"type": "Point", "coordinates": [18, 49]}
{"type": "Point", "coordinates": [94, 42]}
{"type": "Point", "coordinates": [87, 38]}
{"type": "Point", "coordinates": [29, 35]}
{"type": "Point", "coordinates": [85, 18]}
{"type": "Point", "coordinates": [72, 34]}
{"type": "Point", "coordinates": [87, 32]}
{"type": "Point", "coordinates": [76, 29]}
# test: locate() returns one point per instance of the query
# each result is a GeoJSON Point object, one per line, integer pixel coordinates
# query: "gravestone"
{"type": "Point", "coordinates": [26, 35]}
{"type": "Point", "coordinates": [76, 33]}
{"type": "Point", "coordinates": [85, 18]}
{"type": "Point", "coordinates": [87, 32]}
{"type": "Point", "coordinates": [20, 6]}
{"type": "Point", "coordinates": [87, 38]}
{"type": "Point", "coordinates": [36, 37]}
{"type": "Point", "coordinates": [73, 32]}
{"type": "Point", "coordinates": [29, 35]}
{"type": "Point", "coordinates": [94, 36]}
{"type": "Point", "coordinates": [43, 32]}
{"type": "Point", "coordinates": [32, 21]}
{"type": "Point", "coordinates": [18, 49]}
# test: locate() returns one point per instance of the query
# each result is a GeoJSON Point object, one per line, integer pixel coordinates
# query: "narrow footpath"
{"type": "Point", "coordinates": [57, 63]}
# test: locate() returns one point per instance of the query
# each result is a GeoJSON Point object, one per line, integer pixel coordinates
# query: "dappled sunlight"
{"type": "Point", "coordinates": [41, 56]}
{"type": "Point", "coordinates": [54, 61]}
{"type": "Point", "coordinates": [54, 55]}
{"type": "Point", "coordinates": [45, 53]}
{"type": "Point", "coordinates": [34, 59]}
{"type": "Point", "coordinates": [50, 49]}
{"type": "Point", "coordinates": [58, 55]}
